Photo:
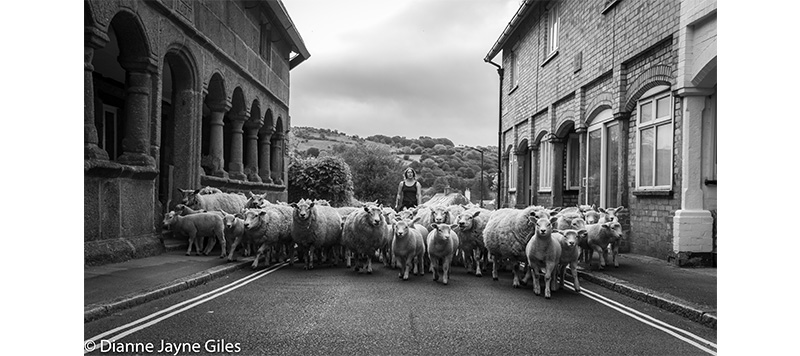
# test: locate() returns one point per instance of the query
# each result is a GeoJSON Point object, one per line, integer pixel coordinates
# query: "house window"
{"type": "Point", "coordinates": [602, 160]}
{"type": "Point", "coordinates": [574, 162]}
{"type": "Point", "coordinates": [654, 146]}
{"type": "Point", "coordinates": [545, 166]}
{"type": "Point", "coordinates": [553, 21]}
{"type": "Point", "coordinates": [512, 173]}
{"type": "Point", "coordinates": [265, 43]}
{"type": "Point", "coordinates": [110, 132]}
{"type": "Point", "coordinates": [513, 71]}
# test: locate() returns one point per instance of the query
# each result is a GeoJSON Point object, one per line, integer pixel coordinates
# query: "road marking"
{"type": "Point", "coordinates": [197, 301]}
{"type": "Point", "coordinates": [658, 324]}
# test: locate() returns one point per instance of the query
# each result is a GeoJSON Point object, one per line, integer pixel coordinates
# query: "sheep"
{"type": "Point", "coordinates": [506, 236]}
{"type": "Point", "coordinates": [315, 227]}
{"type": "Point", "coordinates": [186, 193]}
{"type": "Point", "coordinates": [610, 214]}
{"type": "Point", "coordinates": [598, 237]}
{"type": "Point", "coordinates": [209, 190]}
{"type": "Point", "coordinates": [230, 203]}
{"type": "Point", "coordinates": [197, 225]}
{"type": "Point", "coordinates": [234, 229]}
{"type": "Point", "coordinates": [267, 228]}
{"type": "Point", "coordinates": [569, 220]}
{"type": "Point", "coordinates": [184, 210]}
{"type": "Point", "coordinates": [363, 234]}
{"type": "Point", "coordinates": [544, 251]}
{"type": "Point", "coordinates": [386, 255]}
{"type": "Point", "coordinates": [471, 224]}
{"type": "Point", "coordinates": [442, 244]}
{"type": "Point", "coordinates": [570, 254]}
{"type": "Point", "coordinates": [407, 214]}
{"type": "Point", "coordinates": [408, 246]}
{"type": "Point", "coordinates": [345, 210]}
{"type": "Point", "coordinates": [256, 201]}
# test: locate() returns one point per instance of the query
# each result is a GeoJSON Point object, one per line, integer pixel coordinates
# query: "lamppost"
{"type": "Point", "coordinates": [481, 151]}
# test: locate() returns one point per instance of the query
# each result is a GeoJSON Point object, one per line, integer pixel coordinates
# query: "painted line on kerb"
{"type": "Point", "coordinates": [662, 328]}
{"type": "Point", "coordinates": [643, 315]}
{"type": "Point", "coordinates": [202, 299]}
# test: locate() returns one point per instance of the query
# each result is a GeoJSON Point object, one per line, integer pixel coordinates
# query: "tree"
{"type": "Point", "coordinates": [376, 172]}
{"type": "Point", "coordinates": [326, 178]}
{"type": "Point", "coordinates": [312, 152]}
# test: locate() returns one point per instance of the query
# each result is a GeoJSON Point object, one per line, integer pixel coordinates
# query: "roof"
{"type": "Point", "coordinates": [523, 11]}
{"type": "Point", "coordinates": [286, 24]}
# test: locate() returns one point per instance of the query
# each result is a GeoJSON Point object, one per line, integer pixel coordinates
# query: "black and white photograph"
{"type": "Point", "coordinates": [408, 177]}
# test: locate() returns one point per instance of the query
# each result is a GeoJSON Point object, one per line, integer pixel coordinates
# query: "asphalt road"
{"type": "Point", "coordinates": [336, 311]}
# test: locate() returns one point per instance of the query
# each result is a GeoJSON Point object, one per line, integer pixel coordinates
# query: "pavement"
{"type": "Point", "coordinates": [688, 292]}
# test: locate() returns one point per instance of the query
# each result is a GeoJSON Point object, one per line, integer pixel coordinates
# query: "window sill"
{"type": "Point", "coordinates": [513, 89]}
{"type": "Point", "coordinates": [609, 6]}
{"type": "Point", "coordinates": [653, 192]}
{"type": "Point", "coordinates": [545, 191]}
{"type": "Point", "coordinates": [550, 57]}
{"type": "Point", "coordinates": [241, 185]}
{"type": "Point", "coordinates": [711, 182]}
{"type": "Point", "coordinates": [111, 169]}
{"type": "Point", "coordinates": [512, 191]}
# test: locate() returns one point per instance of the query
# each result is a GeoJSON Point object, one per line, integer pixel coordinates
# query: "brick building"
{"type": "Point", "coordinates": [613, 102]}
{"type": "Point", "coordinates": [180, 94]}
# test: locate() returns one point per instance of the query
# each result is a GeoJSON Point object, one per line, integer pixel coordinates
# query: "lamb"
{"type": "Point", "coordinates": [544, 251]}
{"type": "Point", "coordinates": [255, 201]}
{"type": "Point", "coordinates": [267, 228]}
{"type": "Point", "coordinates": [598, 237]}
{"type": "Point", "coordinates": [471, 224]}
{"type": "Point", "coordinates": [230, 203]}
{"type": "Point", "coordinates": [442, 245]}
{"type": "Point", "coordinates": [408, 247]}
{"type": "Point", "coordinates": [184, 210]}
{"type": "Point", "coordinates": [315, 227]}
{"type": "Point", "coordinates": [234, 229]}
{"type": "Point", "coordinates": [344, 211]}
{"type": "Point", "coordinates": [389, 215]}
{"type": "Point", "coordinates": [363, 234]}
{"type": "Point", "coordinates": [572, 219]}
{"type": "Point", "coordinates": [506, 236]}
{"type": "Point", "coordinates": [185, 193]}
{"type": "Point", "coordinates": [197, 225]}
{"type": "Point", "coordinates": [610, 214]}
{"type": "Point", "coordinates": [407, 214]}
{"type": "Point", "coordinates": [570, 254]}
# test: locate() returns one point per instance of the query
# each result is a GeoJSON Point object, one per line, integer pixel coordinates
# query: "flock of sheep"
{"type": "Point", "coordinates": [537, 240]}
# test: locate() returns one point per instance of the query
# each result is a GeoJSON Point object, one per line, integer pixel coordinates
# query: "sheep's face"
{"type": "Point", "coordinates": [252, 218]}
{"type": "Point", "coordinates": [439, 214]}
{"type": "Point", "coordinates": [443, 230]}
{"type": "Point", "coordinates": [229, 219]}
{"type": "Point", "coordinates": [615, 228]}
{"type": "Point", "coordinates": [302, 209]}
{"type": "Point", "coordinates": [169, 218]}
{"type": "Point", "coordinates": [400, 228]}
{"type": "Point", "coordinates": [406, 213]}
{"type": "Point", "coordinates": [465, 220]}
{"type": "Point", "coordinates": [255, 201]}
{"type": "Point", "coordinates": [544, 226]}
{"type": "Point", "coordinates": [592, 217]}
{"type": "Point", "coordinates": [374, 215]}
{"type": "Point", "coordinates": [571, 236]}
{"type": "Point", "coordinates": [578, 224]}
{"type": "Point", "coordinates": [191, 201]}
{"type": "Point", "coordinates": [185, 194]}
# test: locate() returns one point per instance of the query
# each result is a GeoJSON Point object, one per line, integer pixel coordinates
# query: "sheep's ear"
{"type": "Point", "coordinates": [553, 219]}
{"type": "Point", "coordinates": [607, 225]}
{"type": "Point", "coordinates": [453, 226]}
{"type": "Point", "coordinates": [476, 214]}
{"type": "Point", "coordinates": [620, 209]}
{"type": "Point", "coordinates": [601, 210]}
{"type": "Point", "coordinates": [197, 191]}
{"type": "Point", "coordinates": [594, 207]}
{"type": "Point", "coordinates": [311, 205]}
{"type": "Point", "coordinates": [293, 205]}
{"type": "Point", "coordinates": [555, 210]}
{"type": "Point", "coordinates": [582, 232]}
{"type": "Point", "coordinates": [262, 213]}
{"type": "Point", "coordinates": [433, 226]}
{"type": "Point", "coordinates": [366, 208]}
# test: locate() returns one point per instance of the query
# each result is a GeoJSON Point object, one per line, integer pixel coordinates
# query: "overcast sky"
{"type": "Point", "coordinates": [400, 67]}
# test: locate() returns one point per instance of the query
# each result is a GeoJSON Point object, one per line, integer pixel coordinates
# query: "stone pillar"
{"type": "Point", "coordinates": [276, 158]}
{"type": "Point", "coordinates": [92, 39]}
{"type": "Point", "coordinates": [216, 122]}
{"type": "Point", "coordinates": [581, 130]}
{"type": "Point", "coordinates": [251, 152]}
{"type": "Point", "coordinates": [557, 185]}
{"type": "Point", "coordinates": [138, 88]}
{"type": "Point", "coordinates": [236, 166]}
{"type": "Point", "coordinates": [264, 158]}
{"type": "Point", "coordinates": [692, 226]}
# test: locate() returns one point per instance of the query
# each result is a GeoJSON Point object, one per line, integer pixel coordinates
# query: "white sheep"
{"type": "Point", "coordinates": [363, 234]}
{"type": "Point", "coordinates": [255, 201]}
{"type": "Point", "coordinates": [570, 255]}
{"type": "Point", "coordinates": [598, 238]}
{"type": "Point", "coordinates": [408, 247]}
{"type": "Point", "coordinates": [506, 237]}
{"type": "Point", "coordinates": [610, 214]}
{"type": "Point", "coordinates": [471, 224]}
{"type": "Point", "coordinates": [197, 225]}
{"type": "Point", "coordinates": [544, 252]}
{"type": "Point", "coordinates": [442, 244]}
{"type": "Point", "coordinates": [386, 255]}
{"type": "Point", "coordinates": [268, 228]}
{"type": "Point", "coordinates": [227, 202]}
{"type": "Point", "coordinates": [315, 228]}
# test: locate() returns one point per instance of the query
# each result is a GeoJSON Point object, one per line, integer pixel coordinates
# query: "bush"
{"type": "Point", "coordinates": [326, 178]}
{"type": "Point", "coordinates": [376, 172]}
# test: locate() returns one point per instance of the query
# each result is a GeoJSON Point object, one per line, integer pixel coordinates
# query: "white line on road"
{"type": "Point", "coordinates": [657, 324]}
{"type": "Point", "coordinates": [202, 299]}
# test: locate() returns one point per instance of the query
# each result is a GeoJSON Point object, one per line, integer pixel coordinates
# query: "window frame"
{"type": "Point", "coordinates": [545, 166]}
{"type": "Point", "coordinates": [512, 172]}
{"type": "Point", "coordinates": [603, 122]}
{"type": "Point", "coordinates": [553, 24]}
{"type": "Point", "coordinates": [102, 137]}
{"type": "Point", "coordinates": [651, 97]}
{"type": "Point", "coordinates": [570, 172]}
{"type": "Point", "coordinates": [513, 69]}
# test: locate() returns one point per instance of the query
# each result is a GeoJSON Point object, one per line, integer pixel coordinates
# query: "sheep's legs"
{"type": "Point", "coordinates": [369, 264]}
{"type": "Point", "coordinates": [258, 255]}
{"type": "Point", "coordinates": [494, 268]}
{"type": "Point", "coordinates": [515, 282]}
{"type": "Point", "coordinates": [435, 268]}
{"type": "Point", "coordinates": [535, 268]}
{"type": "Point", "coordinates": [573, 266]}
{"type": "Point", "coordinates": [210, 245]}
{"type": "Point", "coordinates": [446, 269]}
{"type": "Point", "coordinates": [235, 244]}
{"type": "Point", "coordinates": [599, 251]}
{"type": "Point", "coordinates": [189, 249]}
{"type": "Point", "coordinates": [614, 252]}
{"type": "Point", "coordinates": [548, 275]}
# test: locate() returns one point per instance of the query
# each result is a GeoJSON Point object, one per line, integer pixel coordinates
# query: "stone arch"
{"type": "Point", "coordinates": [706, 77]}
{"type": "Point", "coordinates": [592, 115]}
{"type": "Point", "coordinates": [540, 135]}
{"type": "Point", "coordinates": [654, 76]}
{"type": "Point", "coordinates": [88, 15]}
{"type": "Point", "coordinates": [132, 38]}
{"type": "Point", "coordinates": [564, 129]}
{"type": "Point", "coordinates": [598, 103]}
{"type": "Point", "coordinates": [269, 122]}
{"type": "Point", "coordinates": [215, 89]}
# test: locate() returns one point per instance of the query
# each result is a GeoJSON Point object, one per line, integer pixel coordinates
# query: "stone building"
{"type": "Point", "coordinates": [613, 102]}
{"type": "Point", "coordinates": [180, 94]}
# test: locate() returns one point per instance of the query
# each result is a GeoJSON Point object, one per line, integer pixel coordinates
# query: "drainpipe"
{"type": "Point", "coordinates": [499, 133]}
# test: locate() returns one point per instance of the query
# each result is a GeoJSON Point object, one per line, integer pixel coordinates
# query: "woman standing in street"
{"type": "Point", "coordinates": [409, 192]}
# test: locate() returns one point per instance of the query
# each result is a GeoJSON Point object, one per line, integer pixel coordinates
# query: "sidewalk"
{"type": "Point", "coordinates": [689, 292]}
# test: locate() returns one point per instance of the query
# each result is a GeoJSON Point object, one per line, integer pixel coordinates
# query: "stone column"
{"type": "Point", "coordinates": [92, 39]}
{"type": "Point", "coordinates": [216, 122]}
{"type": "Point", "coordinates": [264, 157]}
{"type": "Point", "coordinates": [276, 158]}
{"type": "Point", "coordinates": [235, 166]}
{"type": "Point", "coordinates": [692, 226]}
{"type": "Point", "coordinates": [557, 185]}
{"type": "Point", "coordinates": [581, 130]}
{"type": "Point", "coordinates": [138, 88]}
{"type": "Point", "coordinates": [251, 151]}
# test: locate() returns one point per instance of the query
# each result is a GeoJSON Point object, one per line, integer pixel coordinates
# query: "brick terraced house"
{"type": "Point", "coordinates": [613, 102]}
{"type": "Point", "coordinates": [180, 94]}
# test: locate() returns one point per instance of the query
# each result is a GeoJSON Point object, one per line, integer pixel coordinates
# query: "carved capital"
{"type": "Point", "coordinates": [139, 64]}
{"type": "Point", "coordinates": [581, 127]}
{"type": "Point", "coordinates": [94, 37]}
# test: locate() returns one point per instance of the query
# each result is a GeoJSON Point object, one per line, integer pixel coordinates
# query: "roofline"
{"type": "Point", "coordinates": [296, 41]}
{"type": "Point", "coordinates": [519, 16]}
